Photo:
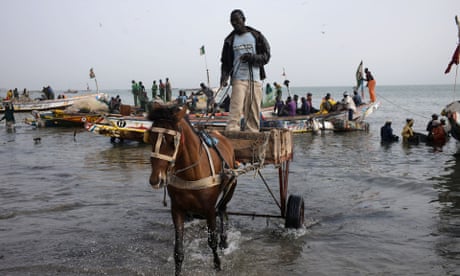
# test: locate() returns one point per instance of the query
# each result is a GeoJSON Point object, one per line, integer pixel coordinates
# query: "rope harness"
{"type": "Point", "coordinates": [171, 176]}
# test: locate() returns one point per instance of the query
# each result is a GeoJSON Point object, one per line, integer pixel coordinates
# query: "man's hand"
{"type": "Point", "coordinates": [247, 58]}
{"type": "Point", "coordinates": [223, 82]}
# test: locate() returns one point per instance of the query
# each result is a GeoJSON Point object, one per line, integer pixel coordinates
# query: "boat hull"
{"type": "Point", "coordinates": [60, 118]}
{"type": "Point", "coordinates": [30, 105]}
{"type": "Point", "coordinates": [335, 121]}
{"type": "Point", "coordinates": [121, 127]}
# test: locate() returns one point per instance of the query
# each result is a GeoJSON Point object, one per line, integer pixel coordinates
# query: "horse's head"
{"type": "Point", "coordinates": [165, 138]}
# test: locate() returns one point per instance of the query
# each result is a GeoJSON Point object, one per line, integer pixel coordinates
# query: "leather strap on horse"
{"type": "Point", "coordinates": [214, 146]}
{"type": "Point", "coordinates": [203, 183]}
{"type": "Point", "coordinates": [199, 184]}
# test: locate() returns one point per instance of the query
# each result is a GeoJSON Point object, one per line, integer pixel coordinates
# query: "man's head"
{"type": "Point", "coordinates": [237, 20]}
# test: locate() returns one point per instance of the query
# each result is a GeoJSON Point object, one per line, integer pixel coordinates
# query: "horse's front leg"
{"type": "Point", "coordinates": [212, 240]}
{"type": "Point", "coordinates": [178, 219]}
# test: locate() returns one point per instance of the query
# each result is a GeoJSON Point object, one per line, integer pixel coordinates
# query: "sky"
{"type": "Point", "coordinates": [315, 42]}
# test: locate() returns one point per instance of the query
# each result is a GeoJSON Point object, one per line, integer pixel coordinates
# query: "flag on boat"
{"type": "Point", "coordinates": [454, 60]}
{"type": "Point", "coordinates": [359, 75]}
{"type": "Point", "coordinates": [91, 73]}
{"type": "Point", "coordinates": [455, 57]}
{"type": "Point", "coordinates": [202, 52]}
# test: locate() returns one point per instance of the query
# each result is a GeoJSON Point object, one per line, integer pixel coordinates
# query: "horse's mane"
{"type": "Point", "coordinates": [166, 112]}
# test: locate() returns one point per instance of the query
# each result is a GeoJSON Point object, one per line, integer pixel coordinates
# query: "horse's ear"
{"type": "Point", "coordinates": [156, 105]}
{"type": "Point", "coordinates": [152, 109]}
{"type": "Point", "coordinates": [181, 111]}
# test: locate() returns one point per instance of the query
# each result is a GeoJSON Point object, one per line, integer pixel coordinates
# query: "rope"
{"type": "Point", "coordinates": [401, 107]}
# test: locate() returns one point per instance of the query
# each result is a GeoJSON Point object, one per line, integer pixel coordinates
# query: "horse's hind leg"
{"type": "Point", "coordinates": [223, 233]}
{"type": "Point", "coordinates": [212, 240]}
{"type": "Point", "coordinates": [222, 211]}
{"type": "Point", "coordinates": [179, 241]}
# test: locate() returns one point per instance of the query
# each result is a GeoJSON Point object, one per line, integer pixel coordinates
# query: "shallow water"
{"type": "Point", "coordinates": [75, 204]}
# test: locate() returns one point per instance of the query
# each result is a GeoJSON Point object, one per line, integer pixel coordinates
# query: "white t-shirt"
{"type": "Point", "coordinates": [243, 44]}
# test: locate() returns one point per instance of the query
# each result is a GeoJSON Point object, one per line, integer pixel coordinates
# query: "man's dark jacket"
{"type": "Point", "coordinates": [261, 57]}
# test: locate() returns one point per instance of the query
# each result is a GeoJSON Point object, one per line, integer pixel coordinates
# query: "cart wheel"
{"type": "Point", "coordinates": [294, 212]}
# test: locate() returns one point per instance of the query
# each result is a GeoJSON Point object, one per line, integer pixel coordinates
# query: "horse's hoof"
{"type": "Point", "coordinates": [223, 244]}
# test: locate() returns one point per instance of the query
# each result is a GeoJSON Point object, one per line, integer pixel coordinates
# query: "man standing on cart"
{"type": "Point", "coordinates": [244, 54]}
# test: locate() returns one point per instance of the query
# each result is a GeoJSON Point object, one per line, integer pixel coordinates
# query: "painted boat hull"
{"type": "Point", "coordinates": [121, 127]}
{"type": "Point", "coordinates": [61, 118]}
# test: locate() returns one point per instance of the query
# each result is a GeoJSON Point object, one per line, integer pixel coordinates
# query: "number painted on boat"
{"type": "Point", "coordinates": [121, 123]}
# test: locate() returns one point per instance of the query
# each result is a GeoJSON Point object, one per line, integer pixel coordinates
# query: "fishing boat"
{"type": "Point", "coordinates": [28, 104]}
{"type": "Point", "coordinates": [333, 121]}
{"type": "Point", "coordinates": [61, 118]}
{"type": "Point", "coordinates": [120, 127]}
{"type": "Point", "coordinates": [84, 110]}
{"type": "Point", "coordinates": [299, 125]}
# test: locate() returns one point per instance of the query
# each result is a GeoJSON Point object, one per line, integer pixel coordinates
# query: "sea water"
{"type": "Point", "coordinates": [72, 203]}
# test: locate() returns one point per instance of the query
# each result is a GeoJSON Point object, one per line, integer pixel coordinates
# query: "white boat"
{"type": "Point", "coordinates": [27, 105]}
{"type": "Point", "coordinates": [334, 121]}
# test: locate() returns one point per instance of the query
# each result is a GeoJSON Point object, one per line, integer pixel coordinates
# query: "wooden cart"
{"type": "Point", "coordinates": [270, 147]}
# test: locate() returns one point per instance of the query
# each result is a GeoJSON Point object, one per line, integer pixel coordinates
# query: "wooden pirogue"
{"type": "Point", "coordinates": [274, 146]}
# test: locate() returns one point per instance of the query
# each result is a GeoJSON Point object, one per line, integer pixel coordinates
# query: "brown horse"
{"type": "Point", "coordinates": [195, 173]}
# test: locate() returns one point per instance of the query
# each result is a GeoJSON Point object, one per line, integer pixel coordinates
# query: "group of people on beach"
{"type": "Point", "coordinates": [161, 91]}
{"type": "Point", "coordinates": [437, 133]}
{"type": "Point", "coordinates": [13, 94]}
{"type": "Point", "coordinates": [115, 105]}
{"type": "Point", "coordinates": [211, 104]}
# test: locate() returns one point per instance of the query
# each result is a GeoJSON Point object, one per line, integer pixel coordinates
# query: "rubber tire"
{"type": "Point", "coordinates": [294, 212]}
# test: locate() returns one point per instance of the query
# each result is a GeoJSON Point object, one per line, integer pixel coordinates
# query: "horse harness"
{"type": "Point", "coordinates": [172, 178]}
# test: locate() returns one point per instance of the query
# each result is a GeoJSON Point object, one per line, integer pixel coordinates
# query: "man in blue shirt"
{"type": "Point", "coordinates": [244, 54]}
